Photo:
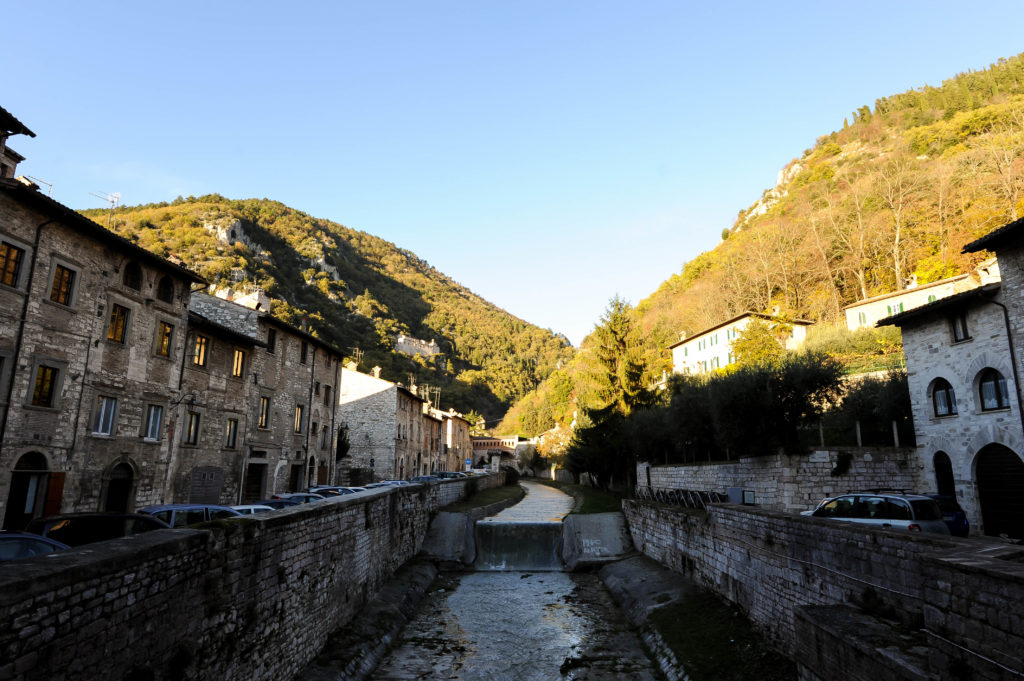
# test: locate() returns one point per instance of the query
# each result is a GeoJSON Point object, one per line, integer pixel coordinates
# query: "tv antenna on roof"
{"type": "Point", "coordinates": [112, 200]}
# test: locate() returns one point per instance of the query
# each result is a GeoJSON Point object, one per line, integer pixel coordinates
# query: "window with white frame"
{"type": "Point", "coordinates": [106, 413]}
{"type": "Point", "coordinates": [154, 419]}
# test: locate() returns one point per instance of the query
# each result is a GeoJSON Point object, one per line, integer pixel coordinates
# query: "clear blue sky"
{"type": "Point", "coordinates": [546, 154]}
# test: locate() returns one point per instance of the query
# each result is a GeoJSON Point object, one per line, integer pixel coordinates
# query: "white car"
{"type": "Point", "coordinates": [252, 509]}
{"type": "Point", "coordinates": [913, 512]}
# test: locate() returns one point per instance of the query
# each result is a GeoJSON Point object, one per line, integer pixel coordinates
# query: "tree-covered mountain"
{"type": "Point", "coordinates": [356, 291]}
{"type": "Point", "coordinates": [887, 199]}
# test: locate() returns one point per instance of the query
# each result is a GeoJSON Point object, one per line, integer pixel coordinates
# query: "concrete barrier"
{"type": "Point", "coordinates": [594, 539]}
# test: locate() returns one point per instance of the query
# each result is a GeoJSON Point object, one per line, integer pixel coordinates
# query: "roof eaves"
{"type": "Point", "coordinates": [12, 125]}
{"type": "Point", "coordinates": [997, 237]}
{"type": "Point", "coordinates": [936, 306]}
{"type": "Point", "coordinates": [237, 336]}
{"type": "Point", "coordinates": [75, 220]}
{"type": "Point", "coordinates": [727, 322]}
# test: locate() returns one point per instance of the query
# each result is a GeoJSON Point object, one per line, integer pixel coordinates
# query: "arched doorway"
{"type": "Point", "coordinates": [119, 488]}
{"type": "Point", "coordinates": [944, 483]}
{"type": "Point", "coordinates": [26, 497]}
{"type": "Point", "coordinates": [1000, 475]}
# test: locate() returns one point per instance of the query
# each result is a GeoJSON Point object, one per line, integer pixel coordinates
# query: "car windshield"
{"type": "Point", "coordinates": [926, 509]}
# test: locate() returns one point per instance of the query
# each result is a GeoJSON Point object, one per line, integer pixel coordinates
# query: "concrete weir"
{"type": "Point", "coordinates": [518, 546]}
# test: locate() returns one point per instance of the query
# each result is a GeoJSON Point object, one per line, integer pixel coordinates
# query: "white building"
{"type": "Point", "coordinates": [711, 349]}
{"type": "Point", "coordinates": [864, 314]}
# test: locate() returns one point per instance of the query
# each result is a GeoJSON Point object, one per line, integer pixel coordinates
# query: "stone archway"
{"type": "Point", "coordinates": [945, 482]}
{"type": "Point", "coordinates": [120, 485]}
{"type": "Point", "coordinates": [29, 490]}
{"type": "Point", "coordinates": [1000, 477]}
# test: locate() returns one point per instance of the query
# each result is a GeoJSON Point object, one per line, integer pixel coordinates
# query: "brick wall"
{"type": "Point", "coordinates": [250, 599]}
{"type": "Point", "coordinates": [966, 593]}
{"type": "Point", "coordinates": [792, 483]}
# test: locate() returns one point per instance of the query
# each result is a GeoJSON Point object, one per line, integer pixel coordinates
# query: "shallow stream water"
{"type": "Point", "coordinates": [517, 626]}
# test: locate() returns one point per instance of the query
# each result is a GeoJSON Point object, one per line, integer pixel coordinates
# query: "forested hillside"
{"type": "Point", "coordinates": [357, 291]}
{"type": "Point", "coordinates": [889, 198]}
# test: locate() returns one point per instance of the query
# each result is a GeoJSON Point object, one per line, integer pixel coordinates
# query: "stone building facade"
{"type": "Point", "coordinates": [90, 348]}
{"type": "Point", "coordinates": [964, 365]}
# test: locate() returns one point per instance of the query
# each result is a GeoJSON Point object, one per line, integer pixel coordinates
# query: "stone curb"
{"type": "Point", "coordinates": [640, 586]}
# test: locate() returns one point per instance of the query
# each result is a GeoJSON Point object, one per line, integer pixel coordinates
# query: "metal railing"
{"type": "Point", "coordinates": [680, 497]}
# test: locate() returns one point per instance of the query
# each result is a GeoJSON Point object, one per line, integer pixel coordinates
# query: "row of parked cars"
{"type": "Point", "coordinates": [58, 532]}
{"type": "Point", "coordinates": [896, 509]}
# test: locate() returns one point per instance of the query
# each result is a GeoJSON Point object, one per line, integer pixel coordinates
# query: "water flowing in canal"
{"type": "Point", "coordinates": [519, 618]}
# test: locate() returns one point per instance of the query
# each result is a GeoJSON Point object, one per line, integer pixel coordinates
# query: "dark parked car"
{"type": "Point", "coordinates": [301, 497]}
{"type": "Point", "coordinates": [954, 516]}
{"type": "Point", "coordinates": [14, 545]}
{"type": "Point", "coordinates": [75, 529]}
{"type": "Point", "coordinates": [183, 515]}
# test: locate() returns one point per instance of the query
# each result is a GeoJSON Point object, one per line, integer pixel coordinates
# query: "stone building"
{"type": "Point", "coordinates": [384, 424]}
{"type": "Point", "coordinates": [415, 346]}
{"type": "Point", "coordinates": [90, 349]}
{"type": "Point", "coordinates": [215, 405]}
{"type": "Point", "coordinates": [433, 450]}
{"type": "Point", "coordinates": [293, 411]}
{"type": "Point", "coordinates": [457, 446]}
{"type": "Point", "coordinates": [964, 364]}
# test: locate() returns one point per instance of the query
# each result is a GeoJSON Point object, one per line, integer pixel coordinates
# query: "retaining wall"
{"type": "Point", "coordinates": [965, 596]}
{"type": "Point", "coordinates": [248, 599]}
{"type": "Point", "coordinates": [794, 483]}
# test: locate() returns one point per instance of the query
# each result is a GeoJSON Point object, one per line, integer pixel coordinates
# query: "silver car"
{"type": "Point", "coordinates": [913, 512]}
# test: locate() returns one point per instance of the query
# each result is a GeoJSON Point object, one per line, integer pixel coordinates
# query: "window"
{"type": "Point", "coordinates": [314, 429]}
{"type": "Point", "coordinates": [271, 340]}
{"type": "Point", "coordinates": [304, 352]}
{"type": "Point", "coordinates": [132, 276]}
{"type": "Point", "coordinates": [943, 399]}
{"type": "Point", "coordinates": [959, 324]}
{"type": "Point", "coordinates": [238, 363]}
{"type": "Point", "coordinates": [932, 298]}
{"type": "Point", "coordinates": [165, 289]}
{"type": "Point", "coordinates": [327, 395]}
{"type": "Point", "coordinates": [118, 323]}
{"type": "Point", "coordinates": [63, 285]}
{"type": "Point", "coordinates": [264, 417]}
{"type": "Point", "coordinates": [154, 418]}
{"type": "Point", "coordinates": [199, 350]}
{"type": "Point", "coordinates": [192, 431]}
{"type": "Point", "coordinates": [992, 388]}
{"type": "Point", "coordinates": [164, 334]}
{"type": "Point", "coordinates": [106, 408]}
{"type": "Point", "coordinates": [11, 258]}
{"type": "Point", "coordinates": [45, 388]}
{"type": "Point", "coordinates": [231, 433]}
{"type": "Point", "coordinates": [323, 438]}
{"type": "Point", "coordinates": [298, 418]}
{"type": "Point", "coordinates": [316, 387]}
{"type": "Point", "coordinates": [862, 317]}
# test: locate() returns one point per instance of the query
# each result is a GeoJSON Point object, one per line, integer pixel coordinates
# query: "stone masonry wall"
{"type": "Point", "coordinates": [792, 483]}
{"type": "Point", "coordinates": [246, 600]}
{"type": "Point", "coordinates": [965, 595]}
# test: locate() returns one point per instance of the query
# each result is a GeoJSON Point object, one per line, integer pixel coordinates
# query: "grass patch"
{"type": "Point", "coordinates": [714, 641]}
{"type": "Point", "coordinates": [588, 499]}
{"type": "Point", "coordinates": [485, 497]}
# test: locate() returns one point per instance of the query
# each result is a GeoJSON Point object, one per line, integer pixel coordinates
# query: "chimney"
{"type": "Point", "coordinates": [375, 371]}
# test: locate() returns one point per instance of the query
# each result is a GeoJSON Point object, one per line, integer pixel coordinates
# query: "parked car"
{"type": "Point", "coordinates": [278, 504]}
{"type": "Point", "coordinates": [450, 474]}
{"type": "Point", "coordinates": [820, 504]}
{"type": "Point", "coordinates": [301, 497]}
{"type": "Point", "coordinates": [75, 529]}
{"type": "Point", "coordinates": [183, 515]}
{"type": "Point", "coordinates": [15, 545]}
{"type": "Point", "coordinates": [953, 515]}
{"type": "Point", "coordinates": [913, 512]}
{"type": "Point", "coordinates": [424, 478]}
{"type": "Point", "coordinates": [253, 509]}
